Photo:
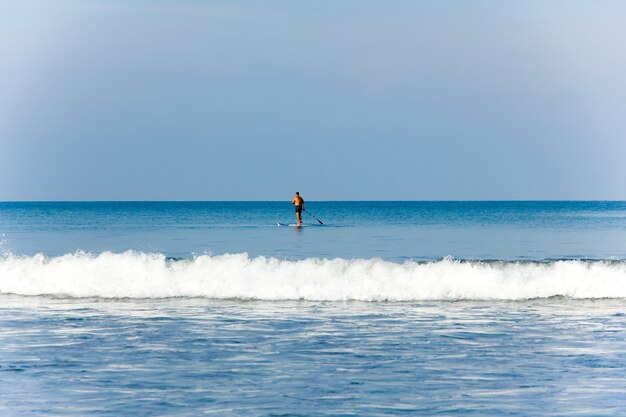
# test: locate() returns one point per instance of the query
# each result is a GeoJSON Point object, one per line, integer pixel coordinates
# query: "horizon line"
{"type": "Point", "coordinates": [318, 201]}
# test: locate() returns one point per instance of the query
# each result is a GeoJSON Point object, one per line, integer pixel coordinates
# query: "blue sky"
{"type": "Point", "coordinates": [221, 100]}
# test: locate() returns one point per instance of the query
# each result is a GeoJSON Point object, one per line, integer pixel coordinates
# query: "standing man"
{"type": "Point", "coordinates": [299, 202]}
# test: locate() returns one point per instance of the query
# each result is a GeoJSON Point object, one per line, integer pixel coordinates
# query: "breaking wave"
{"type": "Point", "coordinates": [237, 276]}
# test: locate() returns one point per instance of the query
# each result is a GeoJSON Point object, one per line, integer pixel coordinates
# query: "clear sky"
{"type": "Point", "coordinates": [350, 99]}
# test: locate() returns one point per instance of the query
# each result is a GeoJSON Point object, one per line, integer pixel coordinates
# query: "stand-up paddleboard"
{"type": "Point", "coordinates": [291, 225]}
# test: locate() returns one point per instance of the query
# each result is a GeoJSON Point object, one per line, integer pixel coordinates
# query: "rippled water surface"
{"type": "Point", "coordinates": [392, 230]}
{"type": "Point", "coordinates": [186, 357]}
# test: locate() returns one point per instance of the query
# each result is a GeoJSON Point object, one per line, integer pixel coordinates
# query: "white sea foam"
{"type": "Point", "coordinates": [147, 275]}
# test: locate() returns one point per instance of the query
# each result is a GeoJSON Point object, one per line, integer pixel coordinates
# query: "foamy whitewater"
{"type": "Point", "coordinates": [145, 275]}
{"type": "Point", "coordinates": [209, 308]}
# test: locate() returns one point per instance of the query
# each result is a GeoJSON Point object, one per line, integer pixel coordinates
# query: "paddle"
{"type": "Point", "coordinates": [312, 216]}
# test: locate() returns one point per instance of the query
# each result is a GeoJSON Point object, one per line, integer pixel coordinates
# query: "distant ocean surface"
{"type": "Point", "coordinates": [388, 308]}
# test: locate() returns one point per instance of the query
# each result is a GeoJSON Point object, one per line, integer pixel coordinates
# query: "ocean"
{"type": "Point", "coordinates": [387, 308]}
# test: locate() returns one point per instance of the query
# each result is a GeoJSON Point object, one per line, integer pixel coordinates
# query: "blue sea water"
{"type": "Point", "coordinates": [388, 308]}
{"type": "Point", "coordinates": [394, 231]}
